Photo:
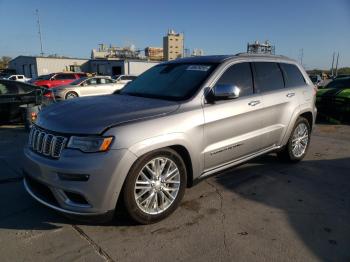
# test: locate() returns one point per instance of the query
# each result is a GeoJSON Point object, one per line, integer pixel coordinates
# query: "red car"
{"type": "Point", "coordinates": [57, 79]}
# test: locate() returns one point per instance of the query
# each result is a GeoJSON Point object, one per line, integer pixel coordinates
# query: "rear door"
{"type": "Point", "coordinates": [280, 101]}
{"type": "Point", "coordinates": [63, 79]}
{"type": "Point", "coordinates": [232, 127]}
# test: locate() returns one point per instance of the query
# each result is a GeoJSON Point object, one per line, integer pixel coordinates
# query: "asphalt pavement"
{"type": "Point", "coordinates": [263, 210]}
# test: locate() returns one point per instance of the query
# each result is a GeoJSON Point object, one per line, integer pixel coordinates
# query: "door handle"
{"type": "Point", "coordinates": [290, 95]}
{"type": "Point", "coordinates": [254, 103]}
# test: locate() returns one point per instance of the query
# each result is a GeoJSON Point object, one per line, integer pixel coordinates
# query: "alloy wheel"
{"type": "Point", "coordinates": [300, 140]}
{"type": "Point", "coordinates": [157, 185]}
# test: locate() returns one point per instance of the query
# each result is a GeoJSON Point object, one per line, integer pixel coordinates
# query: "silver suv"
{"type": "Point", "coordinates": [177, 123]}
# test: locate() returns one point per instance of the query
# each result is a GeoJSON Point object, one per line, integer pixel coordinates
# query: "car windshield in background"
{"type": "Point", "coordinates": [339, 83]}
{"type": "Point", "coordinates": [78, 81]}
{"type": "Point", "coordinates": [169, 81]}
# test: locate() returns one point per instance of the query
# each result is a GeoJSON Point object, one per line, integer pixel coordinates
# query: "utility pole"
{"type": "Point", "coordinates": [336, 65]}
{"type": "Point", "coordinates": [332, 69]}
{"type": "Point", "coordinates": [301, 56]}
{"type": "Point", "coordinates": [39, 31]}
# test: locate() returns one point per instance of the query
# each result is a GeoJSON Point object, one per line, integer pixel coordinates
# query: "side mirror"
{"type": "Point", "coordinates": [222, 92]}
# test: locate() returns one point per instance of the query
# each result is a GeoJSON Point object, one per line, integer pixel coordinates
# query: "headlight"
{"type": "Point", "coordinates": [90, 144]}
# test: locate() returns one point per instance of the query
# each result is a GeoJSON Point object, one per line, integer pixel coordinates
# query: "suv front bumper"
{"type": "Point", "coordinates": [77, 183]}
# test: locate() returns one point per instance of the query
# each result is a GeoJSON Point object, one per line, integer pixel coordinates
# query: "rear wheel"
{"type": "Point", "coordinates": [70, 95]}
{"type": "Point", "coordinates": [298, 143]}
{"type": "Point", "coordinates": [155, 186]}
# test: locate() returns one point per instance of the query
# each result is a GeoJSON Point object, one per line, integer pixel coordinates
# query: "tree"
{"type": "Point", "coordinates": [4, 61]}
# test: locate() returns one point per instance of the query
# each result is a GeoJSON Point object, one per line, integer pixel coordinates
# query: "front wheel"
{"type": "Point", "coordinates": [298, 143]}
{"type": "Point", "coordinates": [71, 95]}
{"type": "Point", "coordinates": [155, 186]}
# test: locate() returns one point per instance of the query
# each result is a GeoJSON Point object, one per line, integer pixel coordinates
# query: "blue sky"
{"type": "Point", "coordinates": [73, 28]}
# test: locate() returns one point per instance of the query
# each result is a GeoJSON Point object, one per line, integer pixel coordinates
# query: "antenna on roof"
{"type": "Point", "coordinates": [39, 32]}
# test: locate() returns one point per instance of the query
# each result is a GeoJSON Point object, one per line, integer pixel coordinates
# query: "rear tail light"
{"type": "Point", "coordinates": [48, 95]}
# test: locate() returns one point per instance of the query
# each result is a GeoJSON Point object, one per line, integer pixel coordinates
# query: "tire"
{"type": "Point", "coordinates": [152, 199]}
{"type": "Point", "coordinates": [294, 155]}
{"type": "Point", "coordinates": [71, 95]}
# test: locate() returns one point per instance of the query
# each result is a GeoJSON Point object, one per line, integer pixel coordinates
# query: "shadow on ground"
{"type": "Point", "coordinates": [313, 194]}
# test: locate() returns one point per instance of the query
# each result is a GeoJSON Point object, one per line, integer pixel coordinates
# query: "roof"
{"type": "Point", "coordinates": [222, 58]}
{"type": "Point", "coordinates": [25, 56]}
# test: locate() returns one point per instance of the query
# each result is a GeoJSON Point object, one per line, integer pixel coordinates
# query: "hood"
{"type": "Point", "coordinates": [92, 115]}
{"type": "Point", "coordinates": [345, 93]}
{"type": "Point", "coordinates": [328, 91]}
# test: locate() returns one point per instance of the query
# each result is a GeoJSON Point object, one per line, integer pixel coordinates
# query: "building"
{"type": "Point", "coordinates": [154, 53]}
{"type": "Point", "coordinates": [173, 45]}
{"type": "Point", "coordinates": [117, 67]}
{"type": "Point", "coordinates": [104, 51]}
{"type": "Point", "coordinates": [261, 48]}
{"type": "Point", "coordinates": [33, 66]}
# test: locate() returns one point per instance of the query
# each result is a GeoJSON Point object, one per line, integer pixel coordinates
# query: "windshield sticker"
{"type": "Point", "coordinates": [198, 68]}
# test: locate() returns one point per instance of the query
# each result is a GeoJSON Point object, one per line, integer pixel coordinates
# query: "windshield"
{"type": "Point", "coordinates": [78, 81]}
{"type": "Point", "coordinates": [339, 83]}
{"type": "Point", "coordinates": [169, 81]}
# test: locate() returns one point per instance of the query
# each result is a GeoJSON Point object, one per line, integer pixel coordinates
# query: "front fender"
{"type": "Point", "coordinates": [167, 140]}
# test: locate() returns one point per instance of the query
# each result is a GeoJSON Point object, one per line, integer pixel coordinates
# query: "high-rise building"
{"type": "Point", "coordinates": [173, 44]}
{"type": "Point", "coordinates": [154, 53]}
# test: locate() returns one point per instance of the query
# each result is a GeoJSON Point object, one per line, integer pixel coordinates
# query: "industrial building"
{"type": "Point", "coordinates": [112, 51]}
{"type": "Point", "coordinates": [154, 53]}
{"type": "Point", "coordinates": [173, 45]}
{"type": "Point", "coordinates": [33, 66]}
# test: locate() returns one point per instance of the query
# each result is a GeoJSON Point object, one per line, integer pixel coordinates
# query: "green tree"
{"type": "Point", "coordinates": [4, 62]}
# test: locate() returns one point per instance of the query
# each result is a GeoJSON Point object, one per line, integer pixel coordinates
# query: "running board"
{"type": "Point", "coordinates": [237, 161]}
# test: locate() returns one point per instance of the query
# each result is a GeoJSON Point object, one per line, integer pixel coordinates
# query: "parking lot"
{"type": "Point", "coordinates": [264, 210]}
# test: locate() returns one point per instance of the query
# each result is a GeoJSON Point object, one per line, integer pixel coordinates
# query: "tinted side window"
{"type": "Point", "coordinates": [239, 75]}
{"type": "Point", "coordinates": [64, 76]}
{"type": "Point", "coordinates": [92, 81]}
{"type": "Point", "coordinates": [23, 88]}
{"type": "Point", "coordinates": [292, 75]}
{"type": "Point", "coordinates": [8, 89]}
{"type": "Point", "coordinates": [268, 76]}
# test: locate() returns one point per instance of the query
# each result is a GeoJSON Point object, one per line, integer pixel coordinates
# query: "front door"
{"type": "Point", "coordinates": [233, 127]}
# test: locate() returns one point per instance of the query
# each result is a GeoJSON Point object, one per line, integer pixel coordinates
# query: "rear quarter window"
{"type": "Point", "coordinates": [292, 75]}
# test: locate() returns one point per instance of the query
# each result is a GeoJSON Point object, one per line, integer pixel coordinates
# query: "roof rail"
{"type": "Point", "coordinates": [259, 54]}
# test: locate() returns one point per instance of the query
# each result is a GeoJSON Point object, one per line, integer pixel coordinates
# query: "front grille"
{"type": "Point", "coordinates": [45, 143]}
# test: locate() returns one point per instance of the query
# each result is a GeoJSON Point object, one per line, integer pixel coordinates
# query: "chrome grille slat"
{"type": "Point", "coordinates": [45, 143]}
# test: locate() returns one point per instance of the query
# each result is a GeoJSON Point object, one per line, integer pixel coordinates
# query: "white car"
{"type": "Point", "coordinates": [20, 78]}
{"type": "Point", "coordinates": [86, 86]}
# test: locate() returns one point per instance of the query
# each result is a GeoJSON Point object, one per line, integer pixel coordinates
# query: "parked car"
{"type": "Point", "coordinates": [177, 123]}
{"type": "Point", "coordinates": [19, 102]}
{"type": "Point", "coordinates": [122, 80]}
{"type": "Point", "coordinates": [86, 86]}
{"type": "Point", "coordinates": [316, 79]}
{"type": "Point", "coordinates": [57, 79]}
{"type": "Point", "coordinates": [20, 78]}
{"type": "Point", "coordinates": [334, 98]}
